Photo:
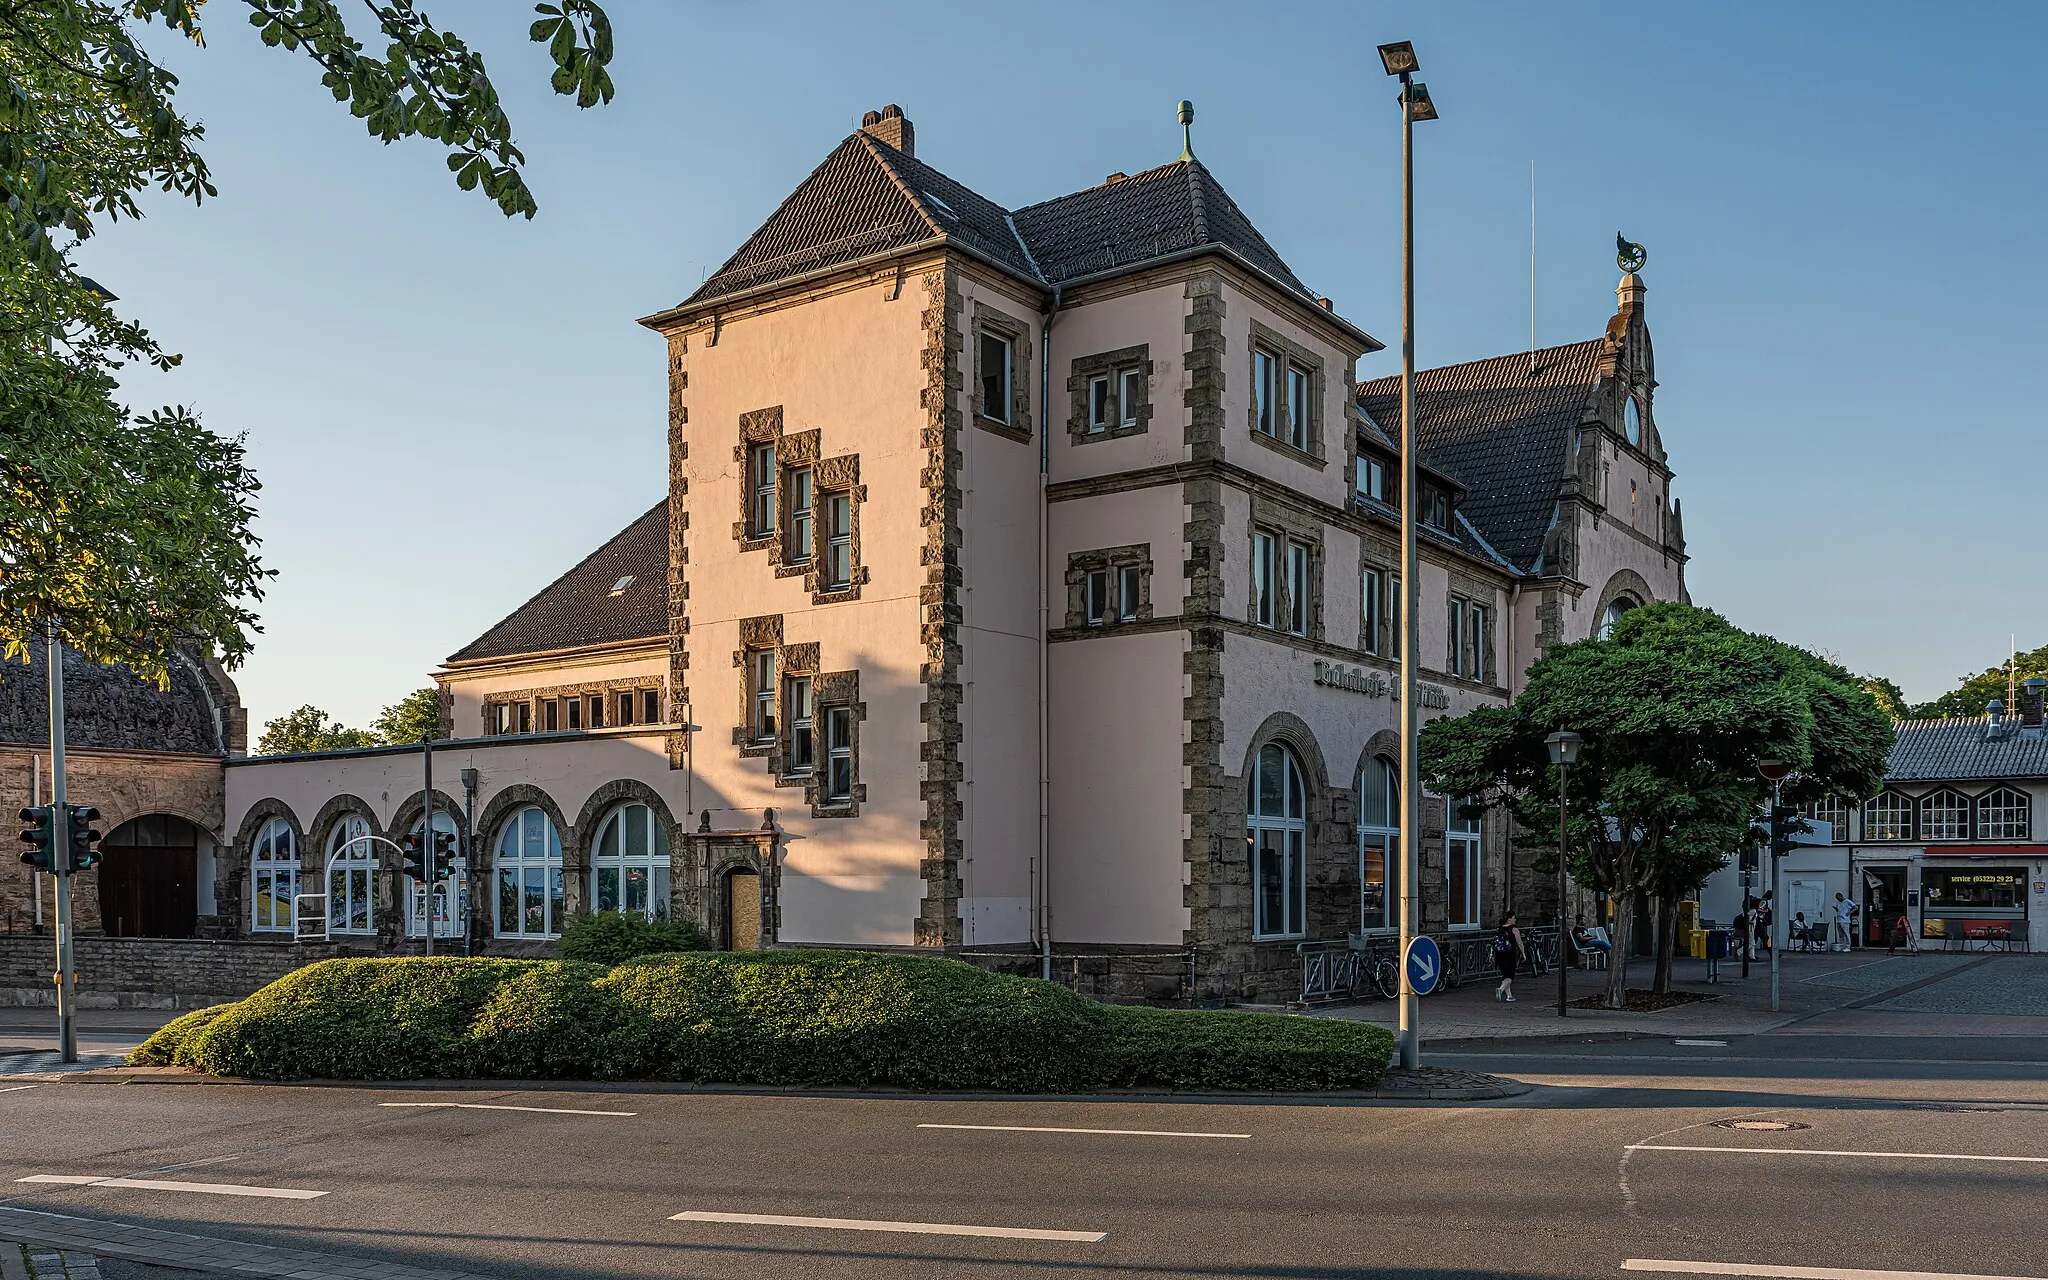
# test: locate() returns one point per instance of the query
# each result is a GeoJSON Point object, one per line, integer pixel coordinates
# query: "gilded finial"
{"type": "Point", "coordinates": [1187, 129]}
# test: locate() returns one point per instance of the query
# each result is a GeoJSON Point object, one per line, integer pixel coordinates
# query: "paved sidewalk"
{"type": "Point", "coordinates": [49, 1233]}
{"type": "Point", "coordinates": [1810, 985]}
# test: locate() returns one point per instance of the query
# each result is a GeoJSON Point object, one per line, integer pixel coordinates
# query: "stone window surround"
{"type": "Point", "coordinates": [1385, 560]}
{"type": "Point", "coordinates": [1080, 564]}
{"type": "Point", "coordinates": [837, 474]}
{"type": "Point", "coordinates": [608, 689]}
{"type": "Point", "coordinates": [828, 689]}
{"type": "Point", "coordinates": [1013, 331]}
{"type": "Point", "coordinates": [757, 635]}
{"type": "Point", "coordinates": [1286, 351]}
{"type": "Point", "coordinates": [1086, 369]}
{"type": "Point", "coordinates": [1288, 526]}
{"type": "Point", "coordinates": [1473, 591]}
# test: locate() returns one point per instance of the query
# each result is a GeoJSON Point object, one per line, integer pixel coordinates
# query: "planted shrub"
{"type": "Point", "coordinates": [767, 1017]}
{"type": "Point", "coordinates": [614, 937]}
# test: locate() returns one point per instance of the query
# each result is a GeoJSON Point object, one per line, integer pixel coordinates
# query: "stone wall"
{"type": "Point", "coordinates": [149, 973]}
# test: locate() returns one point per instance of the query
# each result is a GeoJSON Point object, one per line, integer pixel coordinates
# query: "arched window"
{"type": "Point", "coordinates": [274, 877]}
{"type": "Point", "coordinates": [451, 904]}
{"type": "Point", "coordinates": [1379, 838]}
{"type": "Point", "coordinates": [1276, 809]}
{"type": "Point", "coordinates": [1613, 615]}
{"type": "Point", "coordinates": [1945, 815]}
{"type": "Point", "coordinates": [2003, 815]}
{"type": "Point", "coordinates": [351, 871]}
{"type": "Point", "coordinates": [629, 865]}
{"type": "Point", "coordinates": [1834, 811]}
{"type": "Point", "coordinates": [529, 863]}
{"type": "Point", "coordinates": [1888, 816]}
{"type": "Point", "coordinates": [1463, 867]}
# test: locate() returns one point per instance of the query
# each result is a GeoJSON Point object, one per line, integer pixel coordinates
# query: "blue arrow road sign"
{"type": "Point", "coordinates": [1425, 965]}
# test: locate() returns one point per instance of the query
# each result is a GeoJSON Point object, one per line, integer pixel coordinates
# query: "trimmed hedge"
{"type": "Point", "coordinates": [614, 937]}
{"type": "Point", "coordinates": [773, 1017]}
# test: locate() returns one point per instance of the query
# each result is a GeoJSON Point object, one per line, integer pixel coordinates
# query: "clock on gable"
{"type": "Point", "coordinates": [1632, 421]}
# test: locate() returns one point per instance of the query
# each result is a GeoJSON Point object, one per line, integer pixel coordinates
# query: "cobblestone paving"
{"type": "Point", "coordinates": [49, 1061]}
{"type": "Point", "coordinates": [2010, 984]}
{"type": "Point", "coordinates": [1884, 974]}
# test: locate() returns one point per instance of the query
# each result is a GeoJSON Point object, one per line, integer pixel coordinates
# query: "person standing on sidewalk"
{"type": "Point", "coordinates": [1507, 952]}
{"type": "Point", "coordinates": [1845, 924]}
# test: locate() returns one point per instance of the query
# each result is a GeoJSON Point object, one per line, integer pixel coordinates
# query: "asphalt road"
{"type": "Point", "coordinates": [1590, 1171]}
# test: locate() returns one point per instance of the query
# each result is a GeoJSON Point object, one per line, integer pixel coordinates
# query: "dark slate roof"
{"type": "Point", "coordinates": [1964, 749]}
{"type": "Point", "coordinates": [1500, 431]}
{"type": "Point", "coordinates": [866, 198]}
{"type": "Point", "coordinates": [1173, 208]}
{"type": "Point", "coordinates": [578, 609]}
{"type": "Point", "coordinates": [112, 707]}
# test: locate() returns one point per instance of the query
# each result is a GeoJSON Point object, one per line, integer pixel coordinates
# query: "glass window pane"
{"type": "Point", "coordinates": [1098, 402]}
{"type": "Point", "coordinates": [554, 919]}
{"type": "Point", "coordinates": [635, 819]}
{"type": "Point", "coordinates": [533, 914]}
{"type": "Point", "coordinates": [1131, 396]}
{"type": "Point", "coordinates": [607, 888]}
{"type": "Point", "coordinates": [1271, 884]}
{"type": "Point", "coordinates": [1270, 794]}
{"type": "Point", "coordinates": [1297, 882]}
{"type": "Point", "coordinates": [658, 903]}
{"type": "Point", "coordinates": [508, 900]}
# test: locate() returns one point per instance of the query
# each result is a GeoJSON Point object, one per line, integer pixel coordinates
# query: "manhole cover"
{"type": "Point", "coordinates": [1761, 1126]}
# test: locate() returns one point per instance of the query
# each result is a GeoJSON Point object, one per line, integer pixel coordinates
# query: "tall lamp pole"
{"type": "Point", "coordinates": [1774, 772]}
{"type": "Point", "coordinates": [1564, 753]}
{"type": "Point", "coordinates": [1399, 60]}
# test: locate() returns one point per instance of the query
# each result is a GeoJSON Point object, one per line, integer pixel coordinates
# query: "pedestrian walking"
{"type": "Point", "coordinates": [1507, 952]}
{"type": "Point", "coordinates": [1845, 923]}
{"type": "Point", "coordinates": [1762, 918]}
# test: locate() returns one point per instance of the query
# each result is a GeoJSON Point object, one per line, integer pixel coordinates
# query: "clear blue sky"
{"type": "Point", "coordinates": [1842, 205]}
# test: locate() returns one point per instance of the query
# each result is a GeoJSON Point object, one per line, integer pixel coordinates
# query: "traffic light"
{"type": "Point", "coordinates": [416, 856]}
{"type": "Point", "coordinates": [444, 855]}
{"type": "Point", "coordinates": [40, 835]}
{"type": "Point", "coordinates": [1782, 818]}
{"type": "Point", "coordinates": [83, 856]}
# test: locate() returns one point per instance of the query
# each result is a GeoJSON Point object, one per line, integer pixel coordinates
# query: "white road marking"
{"type": "Point", "coordinates": [489, 1106]}
{"type": "Point", "coordinates": [154, 1184]}
{"type": "Point", "coordinates": [914, 1228]}
{"type": "Point", "coordinates": [1797, 1273]}
{"type": "Point", "coordinates": [1870, 1155]}
{"type": "Point", "coordinates": [1703, 1044]}
{"type": "Point", "coordinates": [17, 1088]}
{"type": "Point", "coordinates": [1130, 1133]}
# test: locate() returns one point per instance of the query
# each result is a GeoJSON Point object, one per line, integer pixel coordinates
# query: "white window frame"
{"type": "Point", "coordinates": [528, 851]}
{"type": "Point", "coordinates": [761, 667]}
{"type": "Point", "coordinates": [351, 877]}
{"type": "Point", "coordinates": [1479, 638]}
{"type": "Point", "coordinates": [1098, 404]}
{"type": "Point", "coordinates": [2004, 814]}
{"type": "Point", "coordinates": [1379, 829]}
{"type": "Point", "coordinates": [1835, 811]}
{"type": "Point", "coordinates": [632, 842]}
{"type": "Point", "coordinates": [838, 755]}
{"type": "Point", "coordinates": [1300, 566]}
{"type": "Point", "coordinates": [802, 498]}
{"type": "Point", "coordinates": [1130, 590]}
{"type": "Point", "coordinates": [799, 760]}
{"type": "Point", "coordinates": [994, 406]}
{"type": "Point", "coordinates": [1300, 393]}
{"type": "Point", "coordinates": [1888, 816]}
{"type": "Point", "coordinates": [761, 489]}
{"type": "Point", "coordinates": [1265, 392]}
{"type": "Point", "coordinates": [1288, 830]}
{"type": "Point", "coordinates": [274, 862]}
{"type": "Point", "coordinates": [1095, 597]}
{"type": "Point", "coordinates": [1945, 815]}
{"type": "Point", "coordinates": [1265, 579]}
{"type": "Point", "coordinates": [1129, 381]}
{"type": "Point", "coordinates": [839, 540]}
{"type": "Point", "coordinates": [1464, 849]}
{"type": "Point", "coordinates": [1371, 477]}
{"type": "Point", "coordinates": [1370, 604]}
{"type": "Point", "coordinates": [451, 904]}
{"type": "Point", "coordinates": [1454, 625]}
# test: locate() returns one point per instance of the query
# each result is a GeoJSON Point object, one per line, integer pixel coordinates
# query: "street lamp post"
{"type": "Point", "coordinates": [1399, 60]}
{"type": "Point", "coordinates": [1774, 771]}
{"type": "Point", "coordinates": [1564, 753]}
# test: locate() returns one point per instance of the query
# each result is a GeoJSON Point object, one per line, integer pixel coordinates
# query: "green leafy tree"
{"type": "Point", "coordinates": [1676, 707]}
{"type": "Point", "coordinates": [133, 531]}
{"type": "Point", "coordinates": [1968, 697]}
{"type": "Point", "coordinates": [309, 729]}
{"type": "Point", "coordinates": [412, 718]}
{"type": "Point", "coordinates": [1889, 697]}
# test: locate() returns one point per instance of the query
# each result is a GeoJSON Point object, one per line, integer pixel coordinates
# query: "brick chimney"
{"type": "Point", "coordinates": [2033, 692]}
{"type": "Point", "coordinates": [891, 126]}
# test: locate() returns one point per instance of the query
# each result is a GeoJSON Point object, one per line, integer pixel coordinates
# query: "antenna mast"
{"type": "Point", "coordinates": [1532, 268]}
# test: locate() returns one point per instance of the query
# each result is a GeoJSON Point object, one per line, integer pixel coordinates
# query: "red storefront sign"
{"type": "Point", "coordinates": [1987, 850]}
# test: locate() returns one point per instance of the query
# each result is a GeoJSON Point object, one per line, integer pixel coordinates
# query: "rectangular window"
{"type": "Point", "coordinates": [995, 376]}
{"type": "Point", "coordinates": [1129, 589]}
{"type": "Point", "coordinates": [1372, 478]}
{"type": "Point", "coordinates": [1436, 508]}
{"type": "Point", "coordinates": [525, 717]}
{"type": "Point", "coordinates": [798, 550]}
{"type": "Point", "coordinates": [1396, 637]}
{"type": "Point", "coordinates": [1129, 395]}
{"type": "Point", "coordinates": [1297, 588]}
{"type": "Point", "coordinates": [796, 703]}
{"type": "Point", "coordinates": [572, 712]}
{"type": "Point", "coordinates": [839, 753]}
{"type": "Point", "coordinates": [625, 709]}
{"type": "Point", "coordinates": [1478, 639]}
{"type": "Point", "coordinates": [761, 479]}
{"type": "Point", "coordinates": [1454, 637]}
{"type": "Point", "coordinates": [839, 541]}
{"type": "Point", "coordinates": [1262, 392]}
{"type": "Point", "coordinates": [501, 717]}
{"type": "Point", "coordinates": [1265, 580]}
{"type": "Point", "coordinates": [1099, 408]}
{"type": "Point", "coordinates": [761, 668]}
{"type": "Point", "coordinates": [1297, 407]}
{"type": "Point", "coordinates": [650, 706]}
{"type": "Point", "coordinates": [1369, 610]}
{"type": "Point", "coordinates": [1462, 868]}
{"type": "Point", "coordinates": [549, 710]}
{"type": "Point", "coordinates": [595, 705]}
{"type": "Point", "coordinates": [1095, 593]}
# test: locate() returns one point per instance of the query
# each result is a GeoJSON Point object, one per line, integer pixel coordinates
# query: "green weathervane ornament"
{"type": "Point", "coordinates": [1628, 255]}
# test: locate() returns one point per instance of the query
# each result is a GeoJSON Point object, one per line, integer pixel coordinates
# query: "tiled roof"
{"type": "Point", "coordinates": [1502, 431]}
{"type": "Point", "coordinates": [579, 610]}
{"type": "Point", "coordinates": [1965, 749]}
{"type": "Point", "coordinates": [112, 707]}
{"type": "Point", "coordinates": [1133, 220]}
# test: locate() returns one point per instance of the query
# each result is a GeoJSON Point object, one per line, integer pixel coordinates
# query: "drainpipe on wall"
{"type": "Point", "coordinates": [1044, 621]}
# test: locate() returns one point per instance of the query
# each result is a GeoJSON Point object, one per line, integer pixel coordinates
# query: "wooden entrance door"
{"type": "Point", "coordinates": [149, 891]}
{"type": "Point", "coordinates": [742, 911]}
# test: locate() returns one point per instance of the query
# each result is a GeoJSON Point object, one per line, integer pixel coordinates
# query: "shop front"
{"type": "Point", "coordinates": [1975, 898]}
